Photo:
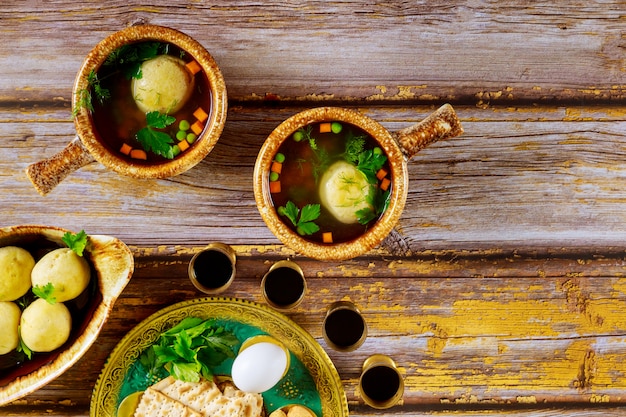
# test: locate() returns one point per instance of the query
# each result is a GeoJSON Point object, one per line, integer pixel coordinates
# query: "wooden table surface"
{"type": "Point", "coordinates": [502, 289]}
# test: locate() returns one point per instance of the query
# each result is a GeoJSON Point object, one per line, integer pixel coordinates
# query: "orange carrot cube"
{"type": "Point", "coordinates": [138, 154]}
{"type": "Point", "coordinates": [183, 145]}
{"type": "Point", "coordinates": [200, 114]}
{"type": "Point", "coordinates": [197, 127]}
{"type": "Point", "coordinates": [193, 67]}
{"type": "Point", "coordinates": [274, 187]}
{"type": "Point", "coordinates": [327, 237]}
{"type": "Point", "coordinates": [385, 183]}
{"type": "Point", "coordinates": [325, 127]}
{"type": "Point", "coordinates": [277, 167]}
{"type": "Point", "coordinates": [126, 148]}
{"type": "Point", "coordinates": [382, 173]}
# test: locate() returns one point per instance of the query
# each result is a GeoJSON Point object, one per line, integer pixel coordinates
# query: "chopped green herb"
{"type": "Point", "coordinates": [156, 141]}
{"type": "Point", "coordinates": [378, 200]}
{"type": "Point", "coordinates": [21, 347]}
{"type": "Point", "coordinates": [128, 58]}
{"type": "Point", "coordinates": [76, 241]}
{"type": "Point", "coordinates": [303, 219]}
{"type": "Point", "coordinates": [369, 162]}
{"type": "Point", "coordinates": [190, 349]}
{"type": "Point", "coordinates": [354, 146]}
{"type": "Point", "coordinates": [45, 292]}
{"type": "Point", "coordinates": [84, 96]}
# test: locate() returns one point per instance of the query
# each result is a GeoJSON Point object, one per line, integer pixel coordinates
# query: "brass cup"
{"type": "Point", "coordinates": [204, 281]}
{"type": "Point", "coordinates": [380, 384]}
{"type": "Point", "coordinates": [277, 297]}
{"type": "Point", "coordinates": [344, 328]}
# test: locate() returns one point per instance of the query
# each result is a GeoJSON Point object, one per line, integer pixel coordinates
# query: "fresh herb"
{"type": "Point", "coordinates": [156, 141]}
{"type": "Point", "coordinates": [84, 95]}
{"type": "Point", "coordinates": [369, 162]}
{"type": "Point", "coordinates": [302, 219]}
{"type": "Point", "coordinates": [75, 241]}
{"type": "Point", "coordinates": [45, 292]}
{"type": "Point", "coordinates": [354, 146]}
{"type": "Point", "coordinates": [190, 349]}
{"type": "Point", "coordinates": [128, 58]}
{"type": "Point", "coordinates": [378, 202]}
{"type": "Point", "coordinates": [21, 347]}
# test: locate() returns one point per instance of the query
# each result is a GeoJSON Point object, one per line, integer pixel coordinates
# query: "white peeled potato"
{"type": "Point", "coordinates": [68, 273]}
{"type": "Point", "coordinates": [9, 323]}
{"type": "Point", "coordinates": [44, 327]}
{"type": "Point", "coordinates": [343, 191]}
{"type": "Point", "coordinates": [16, 265]}
{"type": "Point", "coordinates": [165, 85]}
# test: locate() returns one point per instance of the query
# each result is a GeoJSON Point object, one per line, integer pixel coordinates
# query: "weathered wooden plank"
{"type": "Point", "coordinates": [508, 344]}
{"type": "Point", "coordinates": [518, 178]}
{"type": "Point", "coordinates": [466, 51]}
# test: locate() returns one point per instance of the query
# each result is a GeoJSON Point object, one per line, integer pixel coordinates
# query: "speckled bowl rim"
{"type": "Point", "coordinates": [114, 265]}
{"type": "Point", "coordinates": [373, 236]}
{"type": "Point", "coordinates": [215, 123]}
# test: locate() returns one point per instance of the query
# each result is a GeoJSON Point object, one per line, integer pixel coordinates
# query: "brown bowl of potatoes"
{"type": "Point", "coordinates": [57, 290]}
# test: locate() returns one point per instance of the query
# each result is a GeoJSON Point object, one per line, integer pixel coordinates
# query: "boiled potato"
{"type": "Point", "coordinates": [16, 265]}
{"type": "Point", "coordinates": [278, 413]}
{"type": "Point", "coordinates": [44, 327]}
{"type": "Point", "coordinates": [165, 85]}
{"type": "Point", "coordinates": [68, 273]}
{"type": "Point", "coordinates": [344, 190]}
{"type": "Point", "coordinates": [9, 322]}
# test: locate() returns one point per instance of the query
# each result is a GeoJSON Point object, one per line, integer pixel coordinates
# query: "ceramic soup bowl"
{"type": "Point", "coordinates": [282, 206]}
{"type": "Point", "coordinates": [111, 264]}
{"type": "Point", "coordinates": [94, 143]}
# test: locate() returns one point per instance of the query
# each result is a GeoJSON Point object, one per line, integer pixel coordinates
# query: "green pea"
{"type": "Point", "coordinates": [175, 150]}
{"type": "Point", "coordinates": [274, 176]}
{"type": "Point", "coordinates": [191, 137]}
{"type": "Point", "coordinates": [336, 127]}
{"type": "Point", "coordinates": [280, 158]}
{"type": "Point", "coordinates": [298, 135]}
{"type": "Point", "coordinates": [184, 125]}
{"type": "Point", "coordinates": [378, 151]}
{"type": "Point", "coordinates": [181, 135]}
{"type": "Point", "coordinates": [282, 210]}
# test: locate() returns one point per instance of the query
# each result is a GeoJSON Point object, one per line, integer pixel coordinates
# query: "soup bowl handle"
{"type": "Point", "coordinates": [439, 125]}
{"type": "Point", "coordinates": [48, 173]}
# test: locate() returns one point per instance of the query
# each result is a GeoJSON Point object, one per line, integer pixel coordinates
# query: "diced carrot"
{"type": "Point", "coordinates": [197, 127]}
{"type": "Point", "coordinates": [325, 127]}
{"type": "Point", "coordinates": [138, 154]}
{"type": "Point", "coordinates": [126, 148]}
{"type": "Point", "coordinates": [382, 173]}
{"type": "Point", "coordinates": [274, 187]}
{"type": "Point", "coordinates": [385, 183]}
{"type": "Point", "coordinates": [277, 167]}
{"type": "Point", "coordinates": [200, 114]}
{"type": "Point", "coordinates": [327, 237]}
{"type": "Point", "coordinates": [193, 67]}
{"type": "Point", "coordinates": [183, 145]}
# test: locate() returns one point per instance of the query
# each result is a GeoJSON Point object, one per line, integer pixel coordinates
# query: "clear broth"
{"type": "Point", "coordinates": [300, 185]}
{"type": "Point", "coordinates": [118, 119]}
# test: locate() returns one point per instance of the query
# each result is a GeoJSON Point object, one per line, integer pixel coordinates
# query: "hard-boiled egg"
{"type": "Point", "coordinates": [260, 366]}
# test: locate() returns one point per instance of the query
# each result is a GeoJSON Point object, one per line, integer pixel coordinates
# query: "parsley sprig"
{"type": "Point", "coordinates": [46, 292]}
{"type": "Point", "coordinates": [190, 349]}
{"type": "Point", "coordinates": [303, 219]}
{"type": "Point", "coordinates": [157, 141]}
{"type": "Point", "coordinates": [76, 241]}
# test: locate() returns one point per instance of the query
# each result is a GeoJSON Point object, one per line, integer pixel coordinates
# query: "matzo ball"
{"type": "Point", "coordinates": [9, 323]}
{"type": "Point", "coordinates": [68, 273]}
{"type": "Point", "coordinates": [16, 265]}
{"type": "Point", "coordinates": [165, 85]}
{"type": "Point", "coordinates": [44, 326]}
